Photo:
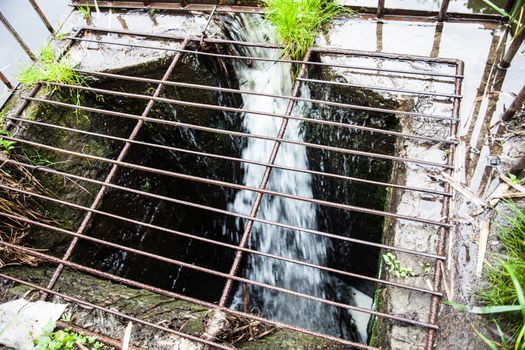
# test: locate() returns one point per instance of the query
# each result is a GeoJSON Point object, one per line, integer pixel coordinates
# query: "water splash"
{"type": "Point", "coordinates": [275, 78]}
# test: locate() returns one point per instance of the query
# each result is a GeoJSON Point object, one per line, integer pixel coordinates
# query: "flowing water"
{"type": "Point", "coordinates": [275, 78]}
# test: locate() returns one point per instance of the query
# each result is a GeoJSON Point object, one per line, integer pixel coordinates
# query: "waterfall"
{"type": "Point", "coordinates": [276, 78]}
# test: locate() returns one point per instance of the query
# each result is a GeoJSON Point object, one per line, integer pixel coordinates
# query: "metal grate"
{"type": "Point", "coordinates": [453, 97]}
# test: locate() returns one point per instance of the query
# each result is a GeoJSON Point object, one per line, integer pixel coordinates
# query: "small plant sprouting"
{"type": "Point", "coordinates": [394, 266]}
{"type": "Point", "coordinates": [5, 145]}
{"type": "Point", "coordinates": [146, 185]}
{"type": "Point", "coordinates": [513, 179]}
{"type": "Point", "coordinates": [59, 36]}
{"type": "Point", "coordinates": [50, 68]}
{"type": "Point", "coordinates": [84, 10]}
{"type": "Point", "coordinates": [67, 340]}
{"type": "Point", "coordinates": [503, 297]}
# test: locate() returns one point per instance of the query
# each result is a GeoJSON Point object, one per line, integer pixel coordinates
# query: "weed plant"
{"type": "Point", "coordinates": [49, 68]}
{"type": "Point", "coordinates": [84, 10]}
{"type": "Point", "coordinates": [297, 22]}
{"type": "Point", "coordinates": [503, 296]}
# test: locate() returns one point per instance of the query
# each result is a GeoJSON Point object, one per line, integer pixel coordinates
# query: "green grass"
{"type": "Point", "coordinates": [297, 22]}
{"type": "Point", "coordinates": [49, 68]}
{"type": "Point", "coordinates": [503, 297]}
{"type": "Point", "coordinates": [84, 10]}
{"type": "Point", "coordinates": [67, 340]}
{"type": "Point", "coordinates": [500, 289]}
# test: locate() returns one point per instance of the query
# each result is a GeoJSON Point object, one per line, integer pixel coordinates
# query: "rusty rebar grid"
{"type": "Point", "coordinates": [214, 155]}
{"type": "Point", "coordinates": [435, 291]}
{"type": "Point", "coordinates": [112, 172]}
{"type": "Point", "coordinates": [203, 207]}
{"type": "Point", "coordinates": [235, 186]}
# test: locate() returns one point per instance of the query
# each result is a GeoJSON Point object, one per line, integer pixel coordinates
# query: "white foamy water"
{"type": "Point", "coordinates": [275, 78]}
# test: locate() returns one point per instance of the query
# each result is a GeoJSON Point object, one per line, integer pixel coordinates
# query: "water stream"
{"type": "Point", "coordinates": [275, 78]}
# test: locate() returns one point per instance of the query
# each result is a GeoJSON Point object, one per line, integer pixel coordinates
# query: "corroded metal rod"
{"type": "Point", "coordinates": [231, 185]}
{"type": "Point", "coordinates": [17, 37]}
{"type": "Point", "coordinates": [174, 295]}
{"type": "Point", "coordinates": [5, 81]}
{"type": "Point", "coordinates": [380, 9]}
{"type": "Point", "coordinates": [206, 240]}
{"type": "Point", "coordinates": [85, 303]}
{"type": "Point", "coordinates": [229, 158]}
{"type": "Point", "coordinates": [42, 16]}
{"type": "Point", "coordinates": [113, 171]}
{"type": "Point", "coordinates": [514, 106]}
{"type": "Point", "coordinates": [445, 213]}
{"type": "Point", "coordinates": [443, 10]}
{"type": "Point", "coordinates": [226, 292]}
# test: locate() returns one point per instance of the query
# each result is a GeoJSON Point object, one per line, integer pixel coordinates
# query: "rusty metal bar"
{"type": "Point", "coordinates": [6, 81]}
{"type": "Point", "coordinates": [231, 185]}
{"type": "Point", "coordinates": [443, 10]}
{"type": "Point", "coordinates": [295, 98]}
{"type": "Point", "coordinates": [235, 159]}
{"type": "Point", "coordinates": [175, 37]}
{"type": "Point", "coordinates": [206, 208]}
{"type": "Point", "coordinates": [515, 105]}
{"type": "Point", "coordinates": [163, 292]}
{"type": "Point", "coordinates": [42, 16]}
{"type": "Point", "coordinates": [113, 171]}
{"type": "Point", "coordinates": [17, 37]}
{"type": "Point", "coordinates": [62, 262]}
{"type": "Point", "coordinates": [512, 50]}
{"type": "Point", "coordinates": [446, 213]}
{"type": "Point", "coordinates": [209, 241]}
{"type": "Point", "coordinates": [373, 87]}
{"type": "Point", "coordinates": [46, 291]}
{"type": "Point", "coordinates": [117, 344]}
{"type": "Point", "coordinates": [380, 9]}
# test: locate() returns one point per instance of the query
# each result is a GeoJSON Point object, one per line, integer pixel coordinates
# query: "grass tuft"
{"type": "Point", "coordinates": [500, 289]}
{"type": "Point", "coordinates": [49, 68]}
{"type": "Point", "coordinates": [297, 22]}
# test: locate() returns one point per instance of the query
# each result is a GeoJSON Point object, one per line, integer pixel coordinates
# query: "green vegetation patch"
{"type": "Point", "coordinates": [50, 68]}
{"type": "Point", "coordinates": [297, 22]}
{"type": "Point", "coordinates": [503, 297]}
{"type": "Point", "coordinates": [68, 340]}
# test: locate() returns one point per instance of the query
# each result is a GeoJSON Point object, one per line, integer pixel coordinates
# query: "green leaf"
{"type": "Point", "coordinates": [487, 341]}
{"type": "Point", "coordinates": [517, 286]}
{"type": "Point", "coordinates": [483, 310]}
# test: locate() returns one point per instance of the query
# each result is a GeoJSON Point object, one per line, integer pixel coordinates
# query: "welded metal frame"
{"type": "Point", "coordinates": [240, 249]}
